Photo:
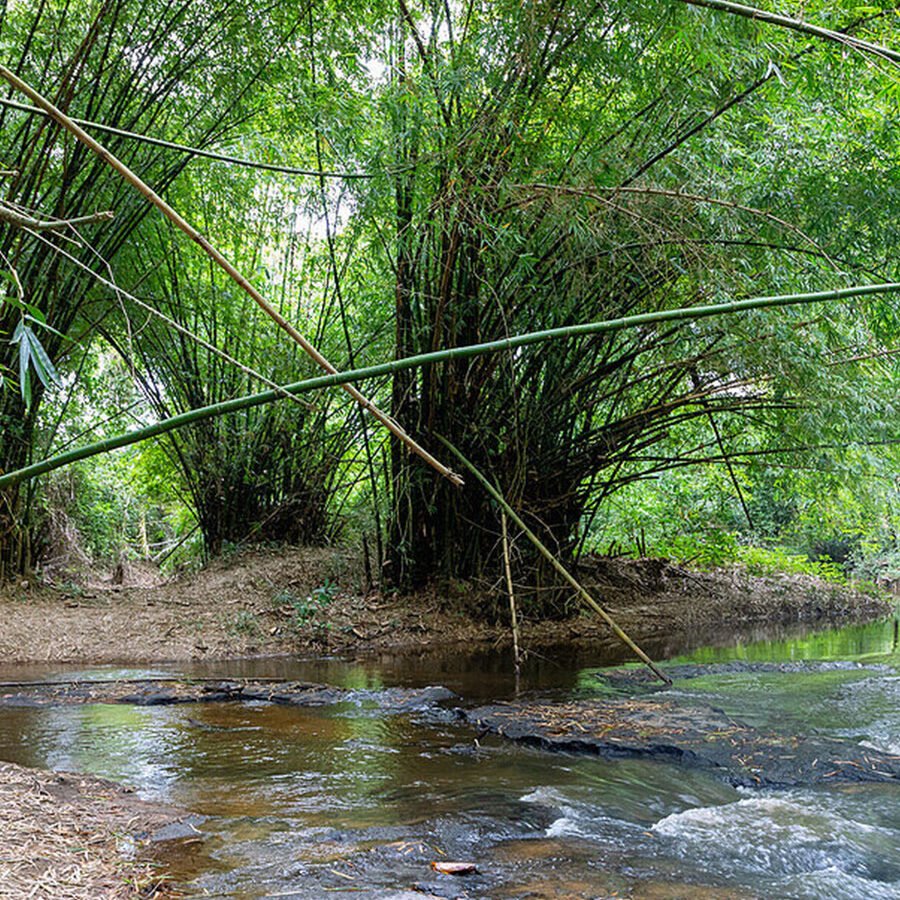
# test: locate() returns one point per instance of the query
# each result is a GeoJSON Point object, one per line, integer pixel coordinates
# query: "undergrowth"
{"type": "Point", "coordinates": [714, 549]}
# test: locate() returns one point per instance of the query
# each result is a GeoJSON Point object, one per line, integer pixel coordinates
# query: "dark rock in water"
{"type": "Point", "coordinates": [697, 735]}
{"type": "Point", "coordinates": [22, 701]}
{"type": "Point", "coordinates": [165, 692]}
{"type": "Point", "coordinates": [150, 698]}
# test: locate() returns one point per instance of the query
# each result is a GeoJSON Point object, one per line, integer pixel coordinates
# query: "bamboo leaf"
{"type": "Point", "coordinates": [24, 356]}
{"type": "Point", "coordinates": [44, 324]}
{"type": "Point", "coordinates": [41, 361]}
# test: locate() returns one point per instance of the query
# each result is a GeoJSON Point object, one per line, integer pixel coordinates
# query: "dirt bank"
{"type": "Point", "coordinates": [285, 601]}
{"type": "Point", "coordinates": [74, 837]}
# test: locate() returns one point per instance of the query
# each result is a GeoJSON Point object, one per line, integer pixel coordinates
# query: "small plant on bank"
{"type": "Point", "coordinates": [304, 609]}
{"type": "Point", "coordinates": [774, 561]}
{"type": "Point", "coordinates": [244, 624]}
{"type": "Point", "coordinates": [713, 549]}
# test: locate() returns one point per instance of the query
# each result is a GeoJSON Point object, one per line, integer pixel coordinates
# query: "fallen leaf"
{"type": "Point", "coordinates": [454, 868]}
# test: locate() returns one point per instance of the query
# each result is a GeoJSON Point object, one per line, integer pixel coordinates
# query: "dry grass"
{"type": "Point", "coordinates": [62, 838]}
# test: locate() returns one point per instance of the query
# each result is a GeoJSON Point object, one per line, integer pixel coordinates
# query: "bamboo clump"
{"type": "Point", "coordinates": [180, 222]}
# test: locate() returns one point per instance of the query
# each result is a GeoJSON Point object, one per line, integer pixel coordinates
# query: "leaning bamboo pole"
{"type": "Point", "coordinates": [389, 368]}
{"type": "Point", "coordinates": [798, 25]}
{"type": "Point", "coordinates": [220, 260]}
{"type": "Point", "coordinates": [510, 589]}
{"type": "Point", "coordinates": [582, 592]}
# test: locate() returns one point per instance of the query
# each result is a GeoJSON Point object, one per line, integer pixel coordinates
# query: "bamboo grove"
{"type": "Point", "coordinates": [398, 181]}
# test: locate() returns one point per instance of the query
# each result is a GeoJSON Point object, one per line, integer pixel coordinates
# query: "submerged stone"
{"type": "Point", "coordinates": [161, 693]}
{"type": "Point", "coordinates": [693, 735]}
{"type": "Point", "coordinates": [630, 679]}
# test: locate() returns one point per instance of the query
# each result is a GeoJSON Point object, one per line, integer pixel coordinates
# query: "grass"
{"type": "Point", "coordinates": [244, 624]}
{"type": "Point", "coordinates": [307, 608]}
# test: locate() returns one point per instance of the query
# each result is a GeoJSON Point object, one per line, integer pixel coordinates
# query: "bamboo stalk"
{"type": "Point", "coordinates": [180, 222]}
{"type": "Point", "coordinates": [192, 151]}
{"type": "Point", "coordinates": [581, 591]}
{"type": "Point", "coordinates": [410, 362]}
{"type": "Point", "coordinates": [512, 597]}
{"type": "Point", "coordinates": [761, 15]}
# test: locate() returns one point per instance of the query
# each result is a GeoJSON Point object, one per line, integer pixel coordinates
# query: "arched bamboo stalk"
{"type": "Point", "coordinates": [389, 368]}
{"type": "Point", "coordinates": [770, 18]}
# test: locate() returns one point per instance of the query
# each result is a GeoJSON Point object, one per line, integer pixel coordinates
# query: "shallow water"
{"type": "Point", "coordinates": [352, 801]}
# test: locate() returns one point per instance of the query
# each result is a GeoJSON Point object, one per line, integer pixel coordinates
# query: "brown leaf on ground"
{"type": "Point", "coordinates": [454, 868]}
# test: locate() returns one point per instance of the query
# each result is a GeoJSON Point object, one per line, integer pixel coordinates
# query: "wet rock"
{"type": "Point", "coordinates": [182, 829]}
{"type": "Point", "coordinates": [23, 701]}
{"type": "Point", "coordinates": [697, 735]}
{"type": "Point", "coordinates": [641, 678]}
{"type": "Point", "coordinates": [150, 698]}
{"type": "Point", "coordinates": [162, 693]}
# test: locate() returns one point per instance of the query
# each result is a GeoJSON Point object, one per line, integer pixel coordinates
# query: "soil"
{"type": "Point", "coordinates": [267, 602]}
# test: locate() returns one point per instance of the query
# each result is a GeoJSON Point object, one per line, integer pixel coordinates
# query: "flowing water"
{"type": "Point", "coordinates": [351, 801]}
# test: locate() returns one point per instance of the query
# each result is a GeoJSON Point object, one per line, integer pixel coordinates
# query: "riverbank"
{"type": "Point", "coordinates": [75, 837]}
{"type": "Point", "coordinates": [288, 601]}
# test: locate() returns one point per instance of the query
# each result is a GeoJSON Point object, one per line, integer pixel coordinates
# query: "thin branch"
{"type": "Point", "coordinates": [761, 15]}
{"type": "Point", "coordinates": [582, 592]}
{"type": "Point", "coordinates": [193, 151]}
{"type": "Point", "coordinates": [172, 323]}
{"type": "Point", "coordinates": [12, 216]}
{"type": "Point", "coordinates": [717, 201]}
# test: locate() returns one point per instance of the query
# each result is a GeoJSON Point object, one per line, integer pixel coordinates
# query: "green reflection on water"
{"type": "Point", "coordinates": [870, 642]}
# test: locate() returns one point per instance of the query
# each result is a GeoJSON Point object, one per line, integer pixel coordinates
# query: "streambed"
{"type": "Point", "coordinates": [353, 799]}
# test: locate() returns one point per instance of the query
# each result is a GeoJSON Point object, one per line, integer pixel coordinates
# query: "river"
{"type": "Point", "coordinates": [350, 801]}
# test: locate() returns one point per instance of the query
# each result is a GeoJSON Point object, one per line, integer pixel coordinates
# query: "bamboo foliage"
{"type": "Point", "coordinates": [539, 211]}
{"type": "Point", "coordinates": [504, 345]}
{"type": "Point", "coordinates": [117, 61]}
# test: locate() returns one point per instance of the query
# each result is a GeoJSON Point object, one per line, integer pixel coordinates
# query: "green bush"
{"type": "Point", "coordinates": [774, 561]}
